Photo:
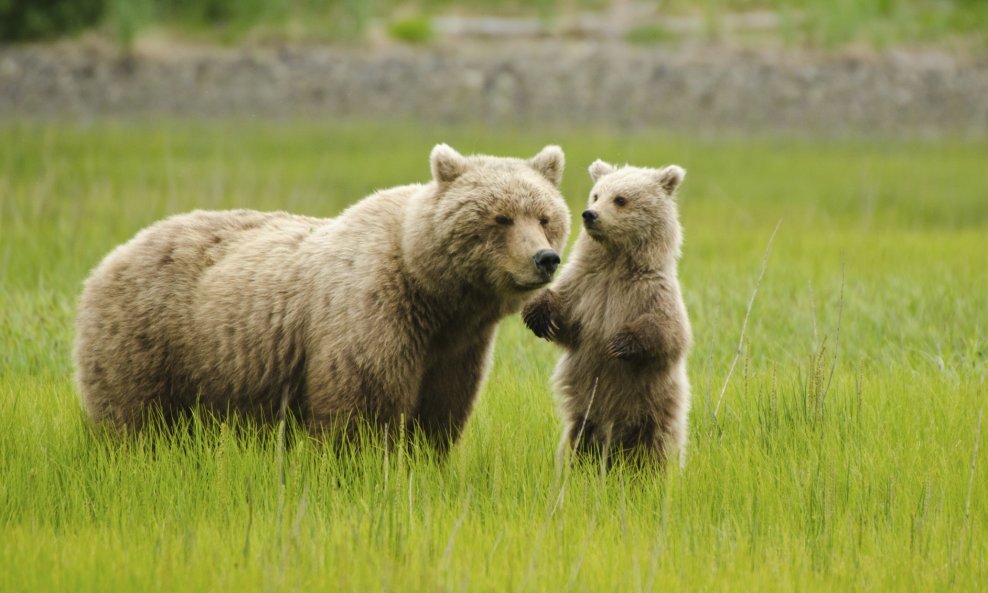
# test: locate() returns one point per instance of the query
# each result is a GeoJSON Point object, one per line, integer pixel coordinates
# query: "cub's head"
{"type": "Point", "coordinates": [498, 223]}
{"type": "Point", "coordinates": [634, 207]}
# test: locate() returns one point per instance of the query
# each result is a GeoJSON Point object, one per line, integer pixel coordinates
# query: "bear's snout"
{"type": "Point", "coordinates": [546, 260]}
{"type": "Point", "coordinates": [589, 217]}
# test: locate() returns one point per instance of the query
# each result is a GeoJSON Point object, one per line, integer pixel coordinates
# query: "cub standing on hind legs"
{"type": "Point", "coordinates": [618, 311]}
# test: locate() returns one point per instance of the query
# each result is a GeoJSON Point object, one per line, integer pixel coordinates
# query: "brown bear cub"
{"type": "Point", "coordinates": [384, 315]}
{"type": "Point", "coordinates": [618, 311]}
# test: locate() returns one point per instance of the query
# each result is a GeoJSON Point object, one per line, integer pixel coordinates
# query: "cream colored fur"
{"type": "Point", "coordinates": [385, 313]}
{"type": "Point", "coordinates": [618, 311]}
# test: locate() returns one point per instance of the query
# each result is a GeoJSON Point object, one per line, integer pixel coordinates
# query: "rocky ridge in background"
{"type": "Point", "coordinates": [597, 82]}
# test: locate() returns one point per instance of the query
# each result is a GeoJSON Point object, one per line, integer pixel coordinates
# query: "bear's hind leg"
{"type": "Point", "coordinates": [127, 401]}
{"type": "Point", "coordinates": [643, 444]}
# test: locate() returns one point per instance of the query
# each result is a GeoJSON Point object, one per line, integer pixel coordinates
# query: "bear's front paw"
{"type": "Point", "coordinates": [538, 316]}
{"type": "Point", "coordinates": [625, 346]}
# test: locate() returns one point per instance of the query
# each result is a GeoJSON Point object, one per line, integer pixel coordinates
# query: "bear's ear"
{"type": "Point", "coordinates": [446, 163]}
{"type": "Point", "coordinates": [599, 168]}
{"type": "Point", "coordinates": [550, 162]}
{"type": "Point", "coordinates": [670, 177]}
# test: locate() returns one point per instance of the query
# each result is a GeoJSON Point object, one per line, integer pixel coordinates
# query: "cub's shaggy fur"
{"type": "Point", "coordinates": [618, 311]}
{"type": "Point", "coordinates": [384, 313]}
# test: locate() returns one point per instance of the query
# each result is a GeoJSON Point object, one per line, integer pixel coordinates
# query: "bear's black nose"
{"type": "Point", "coordinates": [589, 216]}
{"type": "Point", "coordinates": [546, 260]}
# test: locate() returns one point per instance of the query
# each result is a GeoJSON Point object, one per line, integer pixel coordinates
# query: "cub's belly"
{"type": "Point", "coordinates": [583, 371]}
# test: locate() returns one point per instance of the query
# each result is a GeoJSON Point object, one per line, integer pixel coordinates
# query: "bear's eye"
{"type": "Point", "coordinates": [544, 220]}
{"type": "Point", "coordinates": [620, 201]}
{"type": "Point", "coordinates": [594, 199]}
{"type": "Point", "coordinates": [503, 220]}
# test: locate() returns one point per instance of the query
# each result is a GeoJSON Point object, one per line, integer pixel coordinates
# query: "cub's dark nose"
{"type": "Point", "coordinates": [589, 217]}
{"type": "Point", "coordinates": [546, 260]}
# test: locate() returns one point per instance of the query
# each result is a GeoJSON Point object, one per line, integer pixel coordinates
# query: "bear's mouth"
{"type": "Point", "coordinates": [595, 232]}
{"type": "Point", "coordinates": [531, 285]}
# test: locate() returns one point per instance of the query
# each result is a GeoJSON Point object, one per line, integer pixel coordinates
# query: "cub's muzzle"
{"type": "Point", "coordinates": [589, 218]}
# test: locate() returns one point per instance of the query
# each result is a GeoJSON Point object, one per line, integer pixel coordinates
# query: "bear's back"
{"type": "Point", "coordinates": [140, 329]}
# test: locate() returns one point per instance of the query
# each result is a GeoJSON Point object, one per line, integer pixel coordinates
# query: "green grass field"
{"type": "Point", "coordinates": [848, 453]}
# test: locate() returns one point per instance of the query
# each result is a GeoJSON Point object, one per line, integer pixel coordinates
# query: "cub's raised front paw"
{"type": "Point", "coordinates": [538, 316]}
{"type": "Point", "coordinates": [625, 346]}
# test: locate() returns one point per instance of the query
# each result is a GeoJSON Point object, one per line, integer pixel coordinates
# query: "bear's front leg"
{"type": "Point", "coordinates": [648, 338]}
{"type": "Point", "coordinates": [544, 316]}
{"type": "Point", "coordinates": [538, 314]}
{"type": "Point", "coordinates": [631, 343]}
{"type": "Point", "coordinates": [449, 389]}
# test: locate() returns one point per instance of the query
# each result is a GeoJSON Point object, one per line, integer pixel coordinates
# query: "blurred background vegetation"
{"type": "Point", "coordinates": [824, 23]}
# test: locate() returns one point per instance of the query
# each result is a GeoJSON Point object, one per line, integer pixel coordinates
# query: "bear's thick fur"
{"type": "Point", "coordinates": [386, 312]}
{"type": "Point", "coordinates": [618, 311]}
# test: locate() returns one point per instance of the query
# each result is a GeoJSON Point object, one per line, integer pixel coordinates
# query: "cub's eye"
{"type": "Point", "coordinates": [544, 220]}
{"type": "Point", "coordinates": [620, 201]}
{"type": "Point", "coordinates": [594, 199]}
{"type": "Point", "coordinates": [503, 220]}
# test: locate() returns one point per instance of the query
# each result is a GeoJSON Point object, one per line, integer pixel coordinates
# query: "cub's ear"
{"type": "Point", "coordinates": [670, 177]}
{"type": "Point", "coordinates": [446, 163]}
{"type": "Point", "coordinates": [549, 162]}
{"type": "Point", "coordinates": [599, 168]}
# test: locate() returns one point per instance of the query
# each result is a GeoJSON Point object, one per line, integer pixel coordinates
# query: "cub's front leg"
{"type": "Point", "coordinates": [649, 338]}
{"type": "Point", "coordinates": [545, 316]}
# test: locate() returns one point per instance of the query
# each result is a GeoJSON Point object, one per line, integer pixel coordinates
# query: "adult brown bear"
{"type": "Point", "coordinates": [383, 314]}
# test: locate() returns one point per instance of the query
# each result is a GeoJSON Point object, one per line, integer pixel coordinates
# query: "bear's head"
{"type": "Point", "coordinates": [634, 207]}
{"type": "Point", "coordinates": [494, 223]}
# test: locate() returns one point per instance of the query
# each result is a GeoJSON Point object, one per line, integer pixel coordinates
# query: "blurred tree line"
{"type": "Point", "coordinates": [40, 19]}
{"type": "Point", "coordinates": [31, 19]}
{"type": "Point", "coordinates": [814, 22]}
